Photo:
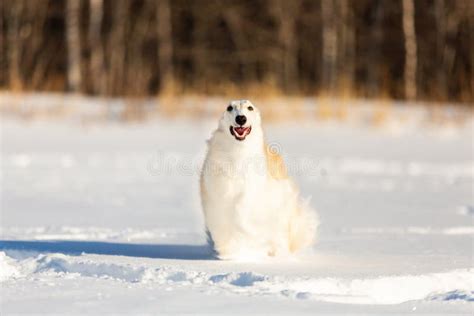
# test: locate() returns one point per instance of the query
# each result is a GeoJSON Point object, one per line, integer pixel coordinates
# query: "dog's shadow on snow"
{"type": "Point", "coordinates": [69, 247]}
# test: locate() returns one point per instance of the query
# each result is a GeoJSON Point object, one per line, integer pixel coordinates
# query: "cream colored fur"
{"type": "Point", "coordinates": [251, 208]}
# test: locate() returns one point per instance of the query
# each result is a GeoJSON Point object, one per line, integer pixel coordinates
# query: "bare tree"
{"type": "Point", "coordinates": [329, 45]}
{"type": "Point", "coordinates": [198, 49]}
{"type": "Point", "coordinates": [37, 59]}
{"type": "Point", "coordinates": [138, 75]}
{"type": "Point", "coordinates": [234, 20]}
{"type": "Point", "coordinates": [346, 44]}
{"type": "Point", "coordinates": [471, 48]}
{"type": "Point", "coordinates": [73, 39]}
{"type": "Point", "coordinates": [410, 49]}
{"type": "Point", "coordinates": [14, 45]}
{"type": "Point", "coordinates": [286, 13]}
{"type": "Point", "coordinates": [462, 13]}
{"type": "Point", "coordinates": [440, 17]}
{"type": "Point", "coordinates": [117, 48]}
{"type": "Point", "coordinates": [97, 50]}
{"type": "Point", "coordinates": [165, 43]}
{"type": "Point", "coordinates": [3, 62]}
{"type": "Point", "coordinates": [373, 55]}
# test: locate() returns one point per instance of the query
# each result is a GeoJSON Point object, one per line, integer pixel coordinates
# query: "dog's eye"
{"type": "Point", "coordinates": [229, 108]}
{"type": "Point", "coordinates": [250, 108]}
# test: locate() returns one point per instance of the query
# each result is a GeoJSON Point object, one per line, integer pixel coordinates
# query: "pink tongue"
{"type": "Point", "coordinates": [240, 130]}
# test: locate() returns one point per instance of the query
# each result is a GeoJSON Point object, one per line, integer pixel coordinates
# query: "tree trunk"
{"type": "Point", "coordinates": [165, 44]}
{"type": "Point", "coordinates": [440, 17]}
{"type": "Point", "coordinates": [234, 21]}
{"type": "Point", "coordinates": [3, 61]}
{"type": "Point", "coordinates": [410, 49]}
{"type": "Point", "coordinates": [471, 48]}
{"type": "Point", "coordinates": [198, 50]}
{"type": "Point", "coordinates": [329, 46]}
{"type": "Point", "coordinates": [373, 60]}
{"type": "Point", "coordinates": [117, 49]}
{"type": "Point", "coordinates": [138, 74]}
{"type": "Point", "coordinates": [463, 11]}
{"type": "Point", "coordinates": [285, 13]}
{"type": "Point", "coordinates": [347, 45]}
{"type": "Point", "coordinates": [38, 57]}
{"type": "Point", "coordinates": [73, 41]}
{"type": "Point", "coordinates": [14, 49]}
{"type": "Point", "coordinates": [98, 85]}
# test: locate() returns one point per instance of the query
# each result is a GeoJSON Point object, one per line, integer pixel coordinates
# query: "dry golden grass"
{"type": "Point", "coordinates": [275, 107]}
{"type": "Point", "coordinates": [382, 112]}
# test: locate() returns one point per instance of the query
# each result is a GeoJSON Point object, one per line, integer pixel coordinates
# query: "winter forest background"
{"type": "Point", "coordinates": [397, 49]}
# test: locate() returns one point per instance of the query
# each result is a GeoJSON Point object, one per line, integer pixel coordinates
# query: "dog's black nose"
{"type": "Point", "coordinates": [240, 119]}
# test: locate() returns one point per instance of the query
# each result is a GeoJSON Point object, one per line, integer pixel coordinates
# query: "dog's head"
{"type": "Point", "coordinates": [239, 117]}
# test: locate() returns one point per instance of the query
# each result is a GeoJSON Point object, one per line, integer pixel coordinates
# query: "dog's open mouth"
{"type": "Point", "coordinates": [240, 132]}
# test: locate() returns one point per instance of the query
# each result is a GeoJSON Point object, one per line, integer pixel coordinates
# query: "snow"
{"type": "Point", "coordinates": [7, 267]}
{"type": "Point", "coordinates": [105, 218]}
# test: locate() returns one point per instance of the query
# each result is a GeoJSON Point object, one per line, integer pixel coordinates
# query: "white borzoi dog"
{"type": "Point", "coordinates": [252, 209]}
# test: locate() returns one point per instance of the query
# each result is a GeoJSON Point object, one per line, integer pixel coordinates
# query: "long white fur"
{"type": "Point", "coordinates": [250, 214]}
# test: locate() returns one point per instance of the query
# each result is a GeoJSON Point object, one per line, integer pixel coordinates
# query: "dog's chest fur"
{"type": "Point", "coordinates": [234, 171]}
{"type": "Point", "coordinates": [233, 182]}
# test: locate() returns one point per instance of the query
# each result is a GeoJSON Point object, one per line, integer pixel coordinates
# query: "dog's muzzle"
{"type": "Point", "coordinates": [240, 132]}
